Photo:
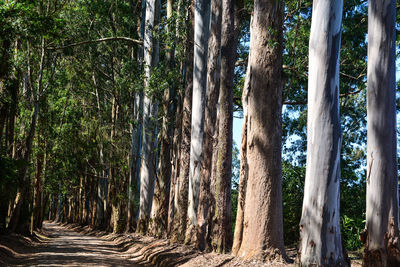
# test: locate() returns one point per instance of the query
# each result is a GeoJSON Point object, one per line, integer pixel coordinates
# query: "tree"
{"type": "Point", "coordinates": [201, 35]}
{"type": "Point", "coordinates": [180, 202]}
{"type": "Point", "coordinates": [150, 109]}
{"type": "Point", "coordinates": [321, 242]}
{"type": "Point", "coordinates": [223, 207]}
{"type": "Point", "coordinates": [207, 183]}
{"type": "Point", "coordinates": [262, 236]}
{"type": "Point", "coordinates": [381, 234]}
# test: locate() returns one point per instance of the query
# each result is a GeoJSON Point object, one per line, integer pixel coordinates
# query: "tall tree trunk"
{"type": "Point", "coordinates": [134, 176]}
{"type": "Point", "coordinates": [113, 185]}
{"type": "Point", "coordinates": [206, 202]}
{"type": "Point", "coordinates": [381, 236]}
{"type": "Point", "coordinates": [159, 213]}
{"type": "Point", "coordinates": [223, 208]}
{"type": "Point", "coordinates": [321, 242]}
{"type": "Point", "coordinates": [263, 231]}
{"type": "Point", "coordinates": [179, 221]}
{"type": "Point", "coordinates": [244, 170]}
{"type": "Point", "coordinates": [38, 187]}
{"type": "Point", "coordinates": [150, 110]}
{"type": "Point", "coordinates": [201, 35]}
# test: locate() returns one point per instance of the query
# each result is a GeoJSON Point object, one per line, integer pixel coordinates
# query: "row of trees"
{"type": "Point", "coordinates": [118, 115]}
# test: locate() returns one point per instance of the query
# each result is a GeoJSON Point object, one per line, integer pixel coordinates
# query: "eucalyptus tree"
{"type": "Point", "coordinates": [150, 109]}
{"type": "Point", "coordinates": [201, 35]}
{"type": "Point", "coordinates": [207, 184]}
{"type": "Point", "coordinates": [262, 236]}
{"type": "Point", "coordinates": [223, 208]}
{"type": "Point", "coordinates": [381, 233]}
{"type": "Point", "coordinates": [134, 175]}
{"type": "Point", "coordinates": [159, 212]}
{"type": "Point", "coordinates": [320, 241]}
{"type": "Point", "coordinates": [178, 223]}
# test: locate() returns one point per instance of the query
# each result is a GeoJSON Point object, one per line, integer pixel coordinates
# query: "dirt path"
{"type": "Point", "coordinates": [74, 245]}
{"type": "Point", "coordinates": [69, 248]}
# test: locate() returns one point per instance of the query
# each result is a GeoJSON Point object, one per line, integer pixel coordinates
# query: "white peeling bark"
{"type": "Point", "coordinates": [150, 109]}
{"type": "Point", "coordinates": [321, 243]}
{"type": "Point", "coordinates": [382, 216]}
{"type": "Point", "coordinates": [201, 34]}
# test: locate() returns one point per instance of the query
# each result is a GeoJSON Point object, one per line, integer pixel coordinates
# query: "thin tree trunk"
{"type": "Point", "coordinates": [321, 242]}
{"type": "Point", "coordinates": [179, 221]}
{"type": "Point", "coordinates": [134, 179]}
{"type": "Point", "coordinates": [381, 236]}
{"type": "Point", "coordinates": [37, 194]}
{"type": "Point", "coordinates": [159, 213]}
{"type": "Point", "coordinates": [244, 170]}
{"type": "Point", "coordinates": [223, 208]}
{"type": "Point", "coordinates": [150, 110]}
{"type": "Point", "coordinates": [201, 35]}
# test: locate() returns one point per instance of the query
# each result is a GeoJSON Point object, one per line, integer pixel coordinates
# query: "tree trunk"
{"type": "Point", "coordinates": [37, 194]}
{"type": "Point", "coordinates": [134, 179]}
{"type": "Point", "coordinates": [321, 242]}
{"type": "Point", "coordinates": [150, 110]}
{"type": "Point", "coordinates": [381, 236]}
{"type": "Point", "coordinates": [179, 221]}
{"type": "Point", "coordinates": [223, 208]}
{"type": "Point", "coordinates": [263, 231]}
{"type": "Point", "coordinates": [201, 34]}
{"type": "Point", "coordinates": [206, 207]}
{"type": "Point", "coordinates": [244, 171]}
{"type": "Point", "coordinates": [159, 213]}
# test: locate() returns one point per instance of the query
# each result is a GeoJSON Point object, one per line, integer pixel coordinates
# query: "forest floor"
{"type": "Point", "coordinates": [73, 245]}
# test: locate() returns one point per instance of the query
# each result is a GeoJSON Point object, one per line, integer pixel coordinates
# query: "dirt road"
{"type": "Point", "coordinates": [69, 248]}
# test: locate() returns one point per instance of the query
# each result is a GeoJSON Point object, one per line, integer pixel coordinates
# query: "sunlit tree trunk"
{"type": "Point", "coordinates": [150, 110]}
{"type": "Point", "coordinates": [321, 242]}
{"type": "Point", "coordinates": [207, 197]}
{"type": "Point", "coordinates": [262, 236]}
{"type": "Point", "coordinates": [201, 34]}
{"type": "Point", "coordinates": [381, 236]}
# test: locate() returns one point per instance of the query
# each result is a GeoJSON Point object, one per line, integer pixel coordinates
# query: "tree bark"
{"type": "Point", "coordinates": [179, 221]}
{"type": "Point", "coordinates": [244, 171]}
{"type": "Point", "coordinates": [150, 110]}
{"type": "Point", "coordinates": [262, 221]}
{"type": "Point", "coordinates": [381, 236]}
{"type": "Point", "coordinates": [207, 197]}
{"type": "Point", "coordinates": [159, 213]}
{"type": "Point", "coordinates": [134, 176]}
{"type": "Point", "coordinates": [321, 242]}
{"type": "Point", "coordinates": [223, 208]}
{"type": "Point", "coordinates": [201, 35]}
{"type": "Point", "coordinates": [37, 193]}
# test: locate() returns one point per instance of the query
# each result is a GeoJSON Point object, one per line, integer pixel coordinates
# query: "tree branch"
{"type": "Point", "coordinates": [126, 39]}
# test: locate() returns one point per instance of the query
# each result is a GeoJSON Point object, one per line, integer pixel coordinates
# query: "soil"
{"type": "Point", "coordinates": [72, 245]}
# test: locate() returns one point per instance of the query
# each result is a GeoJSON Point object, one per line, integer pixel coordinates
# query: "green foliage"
{"type": "Point", "coordinates": [292, 195]}
{"type": "Point", "coordinates": [351, 228]}
{"type": "Point", "coordinates": [235, 181]}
